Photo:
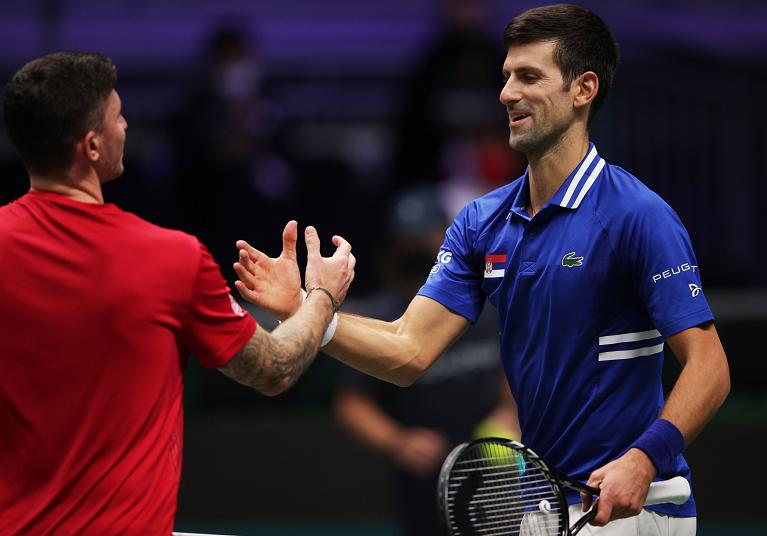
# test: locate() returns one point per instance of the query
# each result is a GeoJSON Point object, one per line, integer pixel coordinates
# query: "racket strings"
{"type": "Point", "coordinates": [493, 490]}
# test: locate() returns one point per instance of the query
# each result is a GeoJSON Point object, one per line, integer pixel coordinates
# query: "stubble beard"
{"type": "Point", "coordinates": [535, 141]}
{"type": "Point", "coordinates": [112, 171]}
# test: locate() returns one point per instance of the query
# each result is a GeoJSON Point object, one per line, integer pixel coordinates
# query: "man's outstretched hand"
{"type": "Point", "coordinates": [333, 273]}
{"type": "Point", "coordinates": [275, 284]}
{"type": "Point", "coordinates": [272, 284]}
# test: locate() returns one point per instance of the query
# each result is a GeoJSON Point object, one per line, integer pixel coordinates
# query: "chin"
{"type": "Point", "coordinates": [521, 145]}
{"type": "Point", "coordinates": [113, 175]}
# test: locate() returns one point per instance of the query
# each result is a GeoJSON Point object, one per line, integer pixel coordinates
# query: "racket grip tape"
{"type": "Point", "coordinates": [674, 490]}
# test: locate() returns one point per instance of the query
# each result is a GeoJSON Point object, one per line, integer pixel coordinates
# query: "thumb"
{"type": "Point", "coordinates": [312, 242]}
{"type": "Point", "coordinates": [289, 239]}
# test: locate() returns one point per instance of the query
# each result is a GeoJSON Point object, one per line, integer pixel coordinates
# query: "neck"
{"type": "Point", "coordinates": [83, 187]}
{"type": "Point", "coordinates": [550, 167]}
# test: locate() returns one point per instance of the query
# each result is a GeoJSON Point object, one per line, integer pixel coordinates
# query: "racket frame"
{"type": "Point", "coordinates": [557, 480]}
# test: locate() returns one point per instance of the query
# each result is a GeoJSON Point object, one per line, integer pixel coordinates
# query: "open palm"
{"type": "Point", "coordinates": [272, 284]}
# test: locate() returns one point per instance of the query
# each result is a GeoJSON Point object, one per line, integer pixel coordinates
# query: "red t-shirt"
{"type": "Point", "coordinates": [99, 310]}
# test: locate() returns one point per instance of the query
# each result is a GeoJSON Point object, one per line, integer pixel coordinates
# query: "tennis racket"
{"type": "Point", "coordinates": [494, 486]}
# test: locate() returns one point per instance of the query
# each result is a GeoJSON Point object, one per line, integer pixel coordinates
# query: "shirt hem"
{"type": "Point", "coordinates": [226, 355]}
{"type": "Point", "coordinates": [457, 308]}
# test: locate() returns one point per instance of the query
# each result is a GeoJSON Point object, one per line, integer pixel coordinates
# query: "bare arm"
{"type": "Point", "coordinates": [397, 351]}
{"type": "Point", "coordinates": [704, 382]}
{"type": "Point", "coordinates": [272, 362]}
{"type": "Point", "coordinates": [400, 351]}
{"type": "Point", "coordinates": [699, 391]}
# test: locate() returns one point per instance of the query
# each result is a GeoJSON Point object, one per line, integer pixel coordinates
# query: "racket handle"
{"type": "Point", "coordinates": [674, 490]}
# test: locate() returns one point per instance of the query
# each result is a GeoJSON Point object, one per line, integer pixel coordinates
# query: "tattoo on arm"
{"type": "Point", "coordinates": [272, 362]}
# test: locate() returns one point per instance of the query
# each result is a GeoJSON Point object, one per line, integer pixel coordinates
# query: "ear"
{"type": "Point", "coordinates": [585, 89]}
{"type": "Point", "coordinates": [91, 146]}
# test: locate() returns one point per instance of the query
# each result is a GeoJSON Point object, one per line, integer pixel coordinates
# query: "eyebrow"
{"type": "Point", "coordinates": [523, 68]}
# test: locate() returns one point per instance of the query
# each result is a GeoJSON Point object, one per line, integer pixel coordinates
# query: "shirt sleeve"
{"type": "Point", "coordinates": [216, 327]}
{"type": "Point", "coordinates": [664, 269]}
{"type": "Point", "coordinates": [455, 280]}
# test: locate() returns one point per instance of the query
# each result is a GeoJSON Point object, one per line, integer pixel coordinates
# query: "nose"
{"type": "Point", "coordinates": [509, 93]}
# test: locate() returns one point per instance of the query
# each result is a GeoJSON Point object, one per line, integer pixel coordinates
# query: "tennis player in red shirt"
{"type": "Point", "coordinates": [99, 311]}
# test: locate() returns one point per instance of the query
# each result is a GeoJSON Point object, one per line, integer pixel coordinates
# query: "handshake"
{"type": "Point", "coordinates": [274, 284]}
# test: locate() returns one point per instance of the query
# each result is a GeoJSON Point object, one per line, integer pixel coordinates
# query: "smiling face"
{"type": "Point", "coordinates": [541, 108]}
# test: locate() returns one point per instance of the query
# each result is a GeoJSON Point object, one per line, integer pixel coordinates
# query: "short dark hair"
{"type": "Point", "coordinates": [582, 43]}
{"type": "Point", "coordinates": [52, 101]}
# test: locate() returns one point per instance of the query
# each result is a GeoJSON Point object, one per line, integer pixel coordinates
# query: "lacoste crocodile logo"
{"type": "Point", "coordinates": [570, 260]}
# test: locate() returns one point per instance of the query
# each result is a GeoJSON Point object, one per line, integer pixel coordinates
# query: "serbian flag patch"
{"type": "Point", "coordinates": [495, 266]}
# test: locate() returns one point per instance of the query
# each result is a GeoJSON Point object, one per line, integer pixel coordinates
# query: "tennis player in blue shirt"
{"type": "Point", "coordinates": [592, 275]}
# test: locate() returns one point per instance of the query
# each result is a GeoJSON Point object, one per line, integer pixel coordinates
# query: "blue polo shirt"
{"type": "Point", "coordinates": [586, 291]}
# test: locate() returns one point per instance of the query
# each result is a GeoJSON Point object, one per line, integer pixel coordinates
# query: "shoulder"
{"type": "Point", "coordinates": [624, 200]}
{"type": "Point", "coordinates": [156, 235]}
{"type": "Point", "coordinates": [6, 211]}
{"type": "Point", "coordinates": [479, 213]}
{"type": "Point", "coordinates": [159, 248]}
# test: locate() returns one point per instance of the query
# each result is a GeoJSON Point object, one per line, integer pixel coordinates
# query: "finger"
{"type": "Point", "coordinates": [595, 479]}
{"type": "Point", "coordinates": [337, 240]}
{"type": "Point", "coordinates": [246, 278]}
{"type": "Point", "coordinates": [289, 239]}
{"type": "Point", "coordinates": [351, 263]}
{"type": "Point", "coordinates": [247, 261]}
{"type": "Point", "coordinates": [586, 500]}
{"type": "Point", "coordinates": [604, 511]}
{"type": "Point", "coordinates": [312, 242]}
{"type": "Point", "coordinates": [253, 252]}
{"type": "Point", "coordinates": [344, 247]}
{"type": "Point", "coordinates": [244, 291]}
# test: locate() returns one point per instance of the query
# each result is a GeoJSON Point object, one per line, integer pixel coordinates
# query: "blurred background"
{"type": "Point", "coordinates": [358, 117]}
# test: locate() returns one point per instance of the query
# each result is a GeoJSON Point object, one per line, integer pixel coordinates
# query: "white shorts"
{"type": "Point", "coordinates": [647, 523]}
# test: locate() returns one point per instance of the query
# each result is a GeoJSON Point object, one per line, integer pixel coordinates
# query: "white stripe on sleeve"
{"type": "Point", "coordinates": [630, 354]}
{"type": "Point", "coordinates": [629, 337]}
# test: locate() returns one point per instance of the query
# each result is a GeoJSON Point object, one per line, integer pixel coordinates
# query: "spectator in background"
{"type": "Point", "coordinates": [225, 139]}
{"type": "Point", "coordinates": [416, 428]}
{"type": "Point", "coordinates": [449, 129]}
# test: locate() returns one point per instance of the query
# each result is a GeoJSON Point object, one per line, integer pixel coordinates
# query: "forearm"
{"type": "Point", "coordinates": [378, 348]}
{"type": "Point", "coordinates": [699, 391]}
{"type": "Point", "coordinates": [701, 388]}
{"type": "Point", "coordinates": [272, 362]}
{"type": "Point", "coordinates": [400, 351]}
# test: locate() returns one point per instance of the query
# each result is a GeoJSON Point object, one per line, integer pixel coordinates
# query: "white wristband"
{"type": "Point", "coordinates": [303, 299]}
{"type": "Point", "coordinates": [330, 331]}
